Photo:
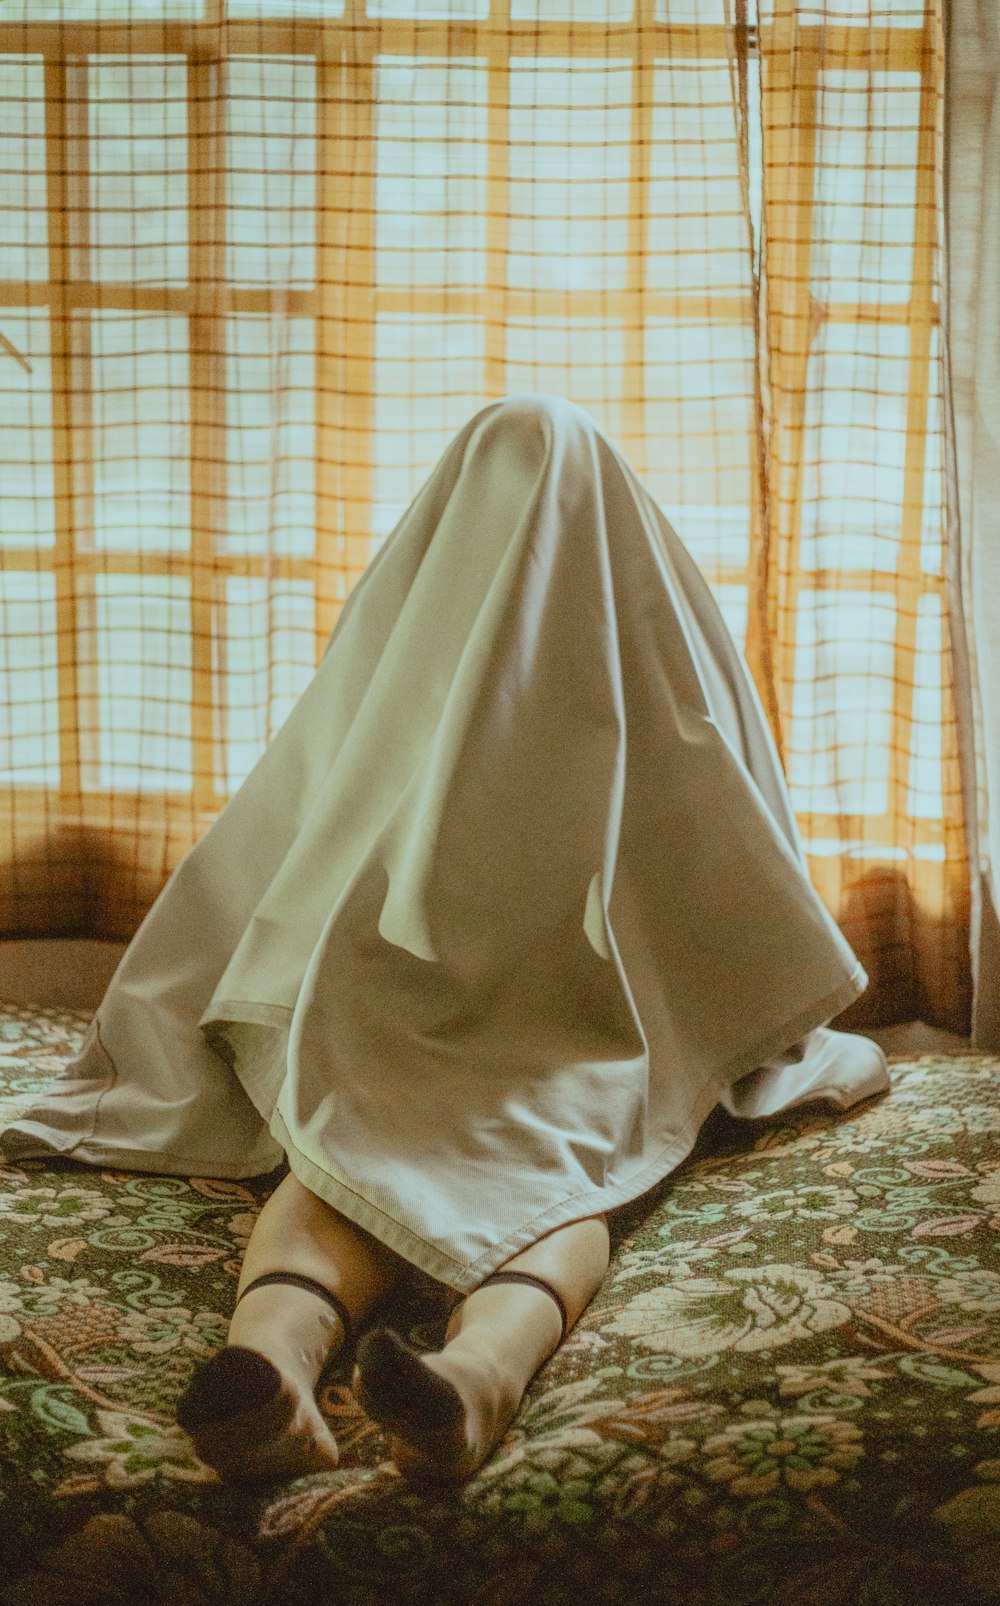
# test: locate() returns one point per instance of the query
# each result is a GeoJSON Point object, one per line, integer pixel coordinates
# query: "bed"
{"type": "Point", "coordinates": [787, 1389]}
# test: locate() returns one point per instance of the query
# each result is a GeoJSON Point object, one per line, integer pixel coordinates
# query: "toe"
{"type": "Point", "coordinates": [399, 1391]}
{"type": "Point", "coordinates": [232, 1382]}
{"type": "Point", "coordinates": [246, 1421]}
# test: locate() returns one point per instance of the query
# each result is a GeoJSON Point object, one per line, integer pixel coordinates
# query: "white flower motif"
{"type": "Point", "coordinates": [68, 1206]}
{"type": "Point", "coordinates": [853, 1142]}
{"type": "Point", "coordinates": [675, 1257]}
{"type": "Point", "coordinates": [75, 1290]}
{"type": "Point", "coordinates": [849, 1374]}
{"type": "Point", "coordinates": [137, 1451]}
{"type": "Point", "coordinates": [161, 1329]}
{"type": "Point", "coordinates": [978, 1289]}
{"type": "Point", "coordinates": [747, 1308]}
{"type": "Point", "coordinates": [811, 1203]}
{"type": "Point", "coordinates": [988, 1191]}
{"type": "Point", "coordinates": [50, 1291]}
{"type": "Point", "coordinates": [11, 1306]}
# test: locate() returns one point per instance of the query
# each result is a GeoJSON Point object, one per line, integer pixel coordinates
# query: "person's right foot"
{"type": "Point", "coordinates": [247, 1419]}
{"type": "Point", "coordinates": [444, 1413]}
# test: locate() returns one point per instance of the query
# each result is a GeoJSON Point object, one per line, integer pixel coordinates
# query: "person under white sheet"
{"type": "Point", "coordinates": [513, 899]}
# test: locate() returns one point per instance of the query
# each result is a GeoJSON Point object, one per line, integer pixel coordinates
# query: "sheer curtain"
{"type": "Point", "coordinates": [261, 262]}
{"type": "Point", "coordinates": [855, 609]}
{"type": "Point", "coordinates": [972, 326]}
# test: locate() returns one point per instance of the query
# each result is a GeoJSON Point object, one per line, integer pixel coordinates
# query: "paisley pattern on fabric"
{"type": "Point", "coordinates": [788, 1388]}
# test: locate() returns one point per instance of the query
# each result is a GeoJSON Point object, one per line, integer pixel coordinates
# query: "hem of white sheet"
{"type": "Point", "coordinates": [466, 1277]}
{"type": "Point", "coordinates": [428, 1257]}
{"type": "Point", "coordinates": [26, 1146]}
{"type": "Point", "coordinates": [253, 1013]}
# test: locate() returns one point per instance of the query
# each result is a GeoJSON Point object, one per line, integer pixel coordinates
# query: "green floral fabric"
{"type": "Point", "coordinates": [787, 1390]}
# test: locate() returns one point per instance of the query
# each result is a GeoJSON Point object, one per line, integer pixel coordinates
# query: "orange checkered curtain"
{"type": "Point", "coordinates": [263, 258]}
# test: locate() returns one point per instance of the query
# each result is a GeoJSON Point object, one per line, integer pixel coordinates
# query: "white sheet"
{"type": "Point", "coordinates": [511, 901]}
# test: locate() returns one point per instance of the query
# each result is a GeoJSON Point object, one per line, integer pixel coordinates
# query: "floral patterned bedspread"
{"type": "Point", "coordinates": [787, 1391]}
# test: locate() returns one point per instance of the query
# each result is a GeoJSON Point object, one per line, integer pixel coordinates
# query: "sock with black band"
{"type": "Point", "coordinates": [536, 1282]}
{"type": "Point", "coordinates": [300, 1280]}
{"type": "Point", "coordinates": [238, 1379]}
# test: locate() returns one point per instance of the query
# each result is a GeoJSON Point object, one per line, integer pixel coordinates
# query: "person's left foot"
{"type": "Point", "coordinates": [444, 1415]}
{"type": "Point", "coordinates": [247, 1419]}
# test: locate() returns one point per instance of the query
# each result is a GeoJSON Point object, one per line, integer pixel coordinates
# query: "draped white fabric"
{"type": "Point", "coordinates": [972, 324]}
{"type": "Point", "coordinates": [513, 899]}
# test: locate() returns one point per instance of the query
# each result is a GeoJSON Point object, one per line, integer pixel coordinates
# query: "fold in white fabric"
{"type": "Point", "coordinates": [513, 898]}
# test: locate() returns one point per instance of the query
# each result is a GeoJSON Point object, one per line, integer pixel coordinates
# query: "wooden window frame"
{"type": "Point", "coordinates": [346, 302]}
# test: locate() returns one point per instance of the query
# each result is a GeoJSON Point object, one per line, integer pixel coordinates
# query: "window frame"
{"type": "Point", "coordinates": [346, 302]}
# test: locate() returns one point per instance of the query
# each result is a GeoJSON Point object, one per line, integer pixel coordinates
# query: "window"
{"type": "Point", "coordinates": [260, 264]}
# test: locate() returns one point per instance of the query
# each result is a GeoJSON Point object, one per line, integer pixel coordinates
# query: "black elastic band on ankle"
{"type": "Point", "coordinates": [526, 1277]}
{"type": "Point", "coordinates": [301, 1281]}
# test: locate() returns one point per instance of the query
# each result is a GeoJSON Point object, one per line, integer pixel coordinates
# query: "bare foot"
{"type": "Point", "coordinates": [444, 1413]}
{"type": "Point", "coordinates": [247, 1419]}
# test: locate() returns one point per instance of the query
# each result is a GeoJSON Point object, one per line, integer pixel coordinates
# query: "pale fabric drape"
{"type": "Point", "coordinates": [512, 900]}
{"type": "Point", "coordinates": [972, 323]}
